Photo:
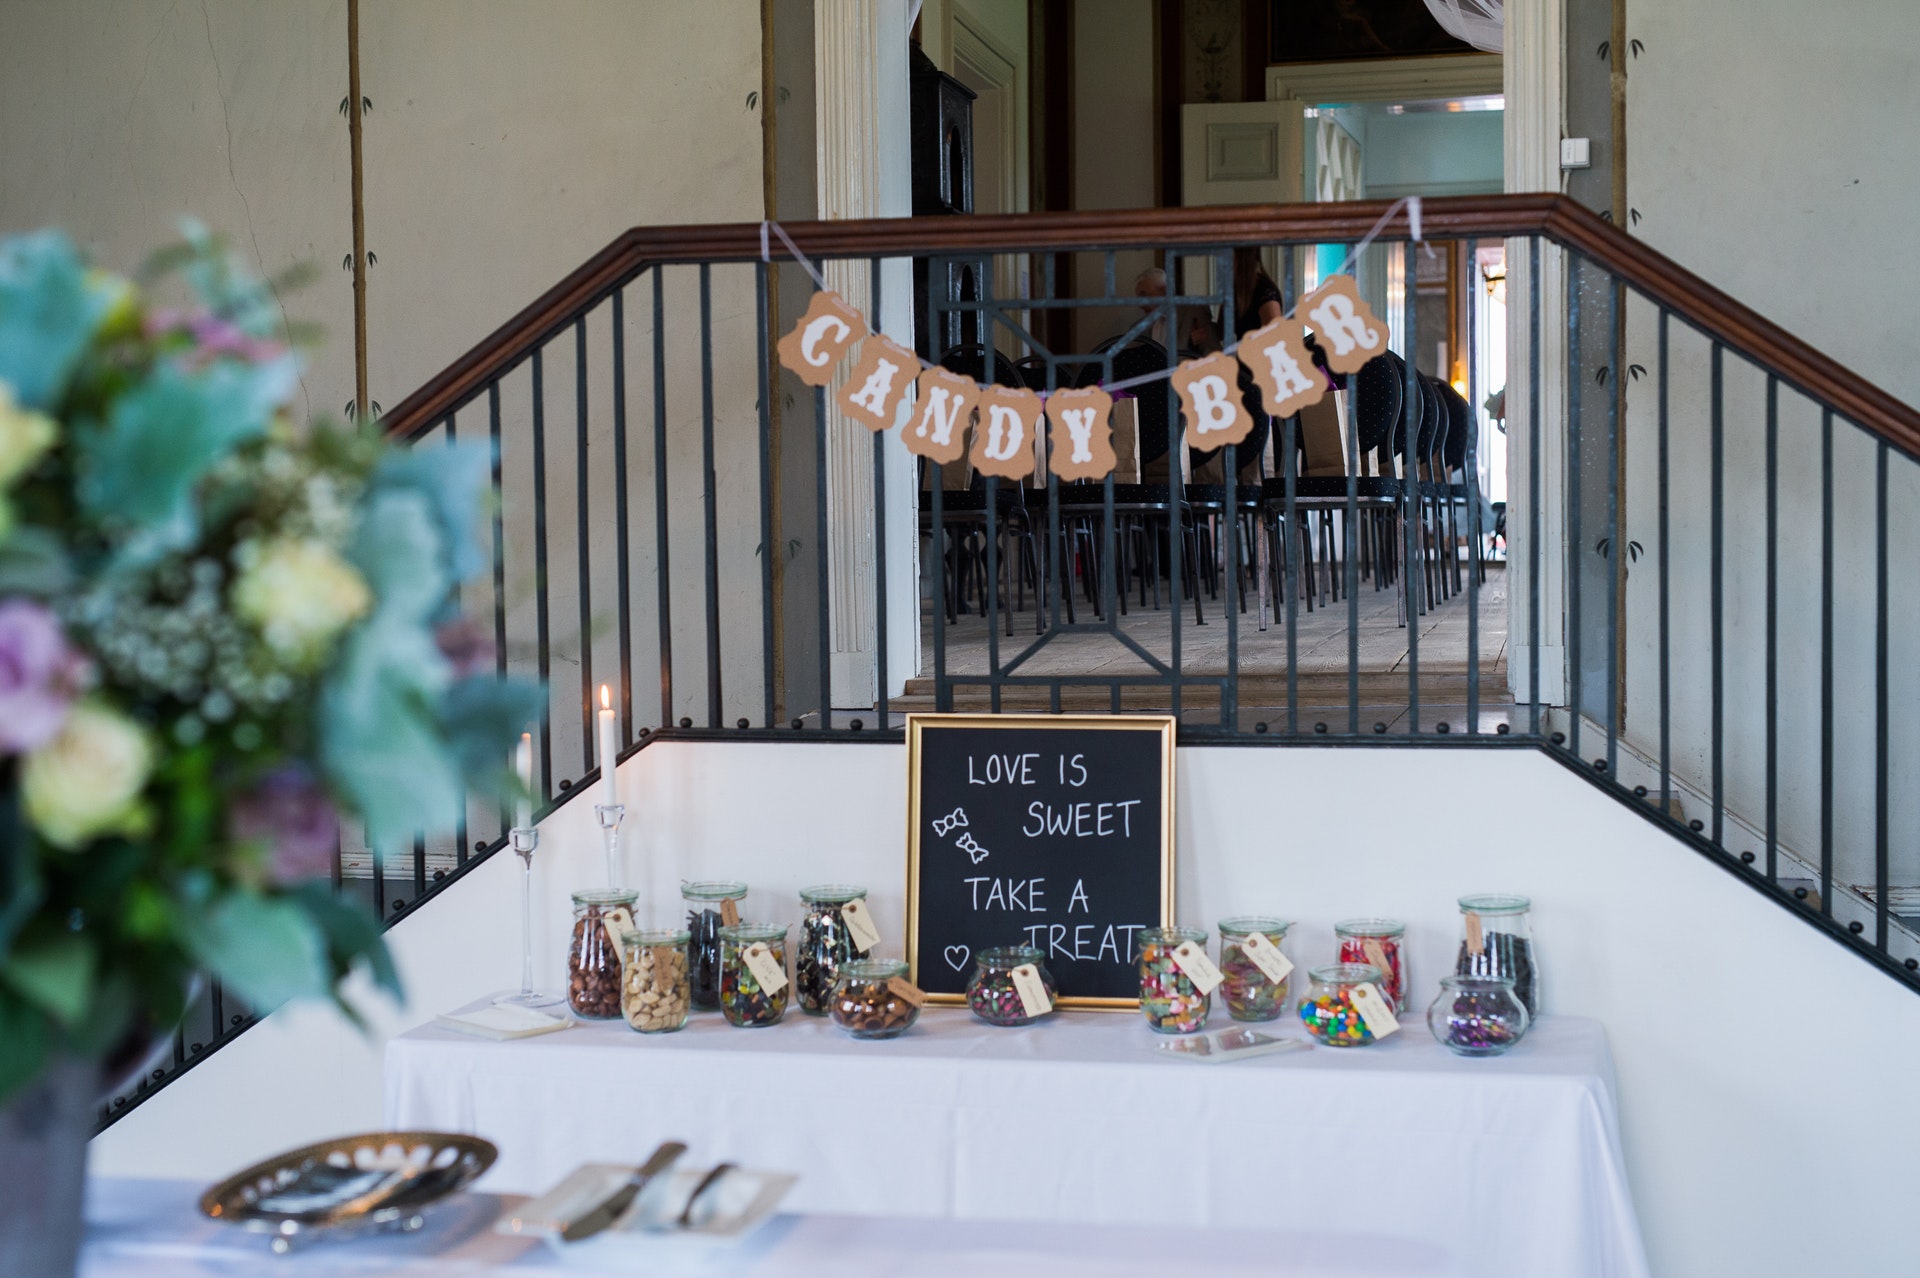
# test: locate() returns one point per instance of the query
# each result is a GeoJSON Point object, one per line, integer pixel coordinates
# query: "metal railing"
{"type": "Point", "coordinates": [1681, 475]}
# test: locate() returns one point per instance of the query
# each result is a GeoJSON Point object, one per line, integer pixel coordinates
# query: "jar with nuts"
{"type": "Point", "coordinates": [874, 999]}
{"type": "Point", "coordinates": [654, 989]}
{"type": "Point", "coordinates": [600, 916]}
{"type": "Point", "coordinates": [753, 973]}
{"type": "Point", "coordinates": [824, 944]}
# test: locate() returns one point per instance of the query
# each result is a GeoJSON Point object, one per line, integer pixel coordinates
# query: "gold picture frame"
{"type": "Point", "coordinates": [1163, 725]}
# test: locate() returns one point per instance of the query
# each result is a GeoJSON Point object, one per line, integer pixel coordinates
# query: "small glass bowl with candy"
{"type": "Point", "coordinates": [1477, 1015]}
{"type": "Point", "coordinates": [654, 991]}
{"type": "Point", "coordinates": [1377, 942]}
{"type": "Point", "coordinates": [707, 910]}
{"type": "Point", "coordinates": [1249, 993]}
{"type": "Point", "coordinates": [743, 999]}
{"type": "Point", "coordinates": [1328, 1009]}
{"type": "Point", "coordinates": [991, 994]}
{"type": "Point", "coordinates": [1169, 999]}
{"type": "Point", "coordinates": [867, 1004]}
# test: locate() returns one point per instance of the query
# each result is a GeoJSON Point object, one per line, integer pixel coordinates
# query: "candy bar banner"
{"type": "Point", "coordinates": [1006, 441]}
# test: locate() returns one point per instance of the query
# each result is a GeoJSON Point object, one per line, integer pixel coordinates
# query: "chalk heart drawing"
{"type": "Point", "coordinates": [957, 956]}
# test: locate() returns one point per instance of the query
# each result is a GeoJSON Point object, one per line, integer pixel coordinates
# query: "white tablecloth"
{"type": "Point", "coordinates": [1510, 1165]}
{"type": "Point", "coordinates": [150, 1229]}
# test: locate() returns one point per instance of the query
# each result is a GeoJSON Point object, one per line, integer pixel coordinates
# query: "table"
{"type": "Point", "coordinates": [150, 1229]}
{"type": "Point", "coordinates": [1075, 1120]}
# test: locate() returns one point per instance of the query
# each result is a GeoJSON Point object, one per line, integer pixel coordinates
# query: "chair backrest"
{"type": "Point", "coordinates": [1460, 414]}
{"type": "Point", "coordinates": [1376, 390]}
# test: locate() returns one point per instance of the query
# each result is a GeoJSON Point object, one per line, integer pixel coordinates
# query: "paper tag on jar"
{"type": "Point", "coordinates": [729, 912]}
{"type": "Point", "coordinates": [617, 923]}
{"type": "Point", "coordinates": [1193, 960]}
{"type": "Point", "coordinates": [662, 957]}
{"type": "Point", "coordinates": [1373, 1009]}
{"type": "Point", "coordinates": [769, 972]}
{"type": "Point", "coordinates": [1476, 939]}
{"type": "Point", "coordinates": [1032, 991]}
{"type": "Point", "coordinates": [906, 990]}
{"type": "Point", "coordinates": [1266, 956]}
{"type": "Point", "coordinates": [860, 928]}
{"type": "Point", "coordinates": [1377, 955]}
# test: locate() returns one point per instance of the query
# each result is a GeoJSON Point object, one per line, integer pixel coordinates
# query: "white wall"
{"type": "Point", "coordinates": [1114, 126]}
{"type": "Point", "coordinates": [1761, 1140]}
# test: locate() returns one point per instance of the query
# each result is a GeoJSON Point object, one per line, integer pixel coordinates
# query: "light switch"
{"type": "Point", "coordinates": [1576, 153]}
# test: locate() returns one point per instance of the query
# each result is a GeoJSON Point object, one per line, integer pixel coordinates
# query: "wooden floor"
{"type": "Point", "coordinates": [1384, 657]}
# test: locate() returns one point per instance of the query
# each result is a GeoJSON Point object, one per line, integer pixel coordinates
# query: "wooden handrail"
{"type": "Point", "coordinates": [1555, 217]}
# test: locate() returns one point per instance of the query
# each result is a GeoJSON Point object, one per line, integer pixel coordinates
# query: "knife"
{"type": "Point", "coordinates": [614, 1207]}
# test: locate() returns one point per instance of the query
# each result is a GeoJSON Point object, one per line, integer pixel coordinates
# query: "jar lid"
{"type": "Point", "coordinates": [646, 937]}
{"type": "Point", "coordinates": [1495, 903]}
{"type": "Point", "coordinates": [1476, 984]}
{"type": "Point", "coordinates": [605, 896]}
{"type": "Point", "coordinates": [751, 932]}
{"type": "Point", "coordinates": [1245, 924]}
{"type": "Point", "coordinates": [1344, 974]}
{"type": "Point", "coordinates": [1007, 956]}
{"type": "Point", "coordinates": [1370, 927]}
{"type": "Point", "coordinates": [712, 890]}
{"type": "Point", "coordinates": [880, 969]}
{"type": "Point", "coordinates": [1171, 935]}
{"type": "Point", "coordinates": [831, 893]}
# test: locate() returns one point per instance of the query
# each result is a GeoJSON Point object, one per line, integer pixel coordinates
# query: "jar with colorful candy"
{"type": "Point", "coordinates": [824, 944]}
{"type": "Point", "coordinates": [992, 994]}
{"type": "Point", "coordinates": [874, 1000]}
{"type": "Point", "coordinates": [600, 917]}
{"type": "Point", "coordinates": [1169, 998]}
{"type": "Point", "coordinates": [1378, 942]}
{"type": "Point", "coordinates": [1477, 1015]}
{"type": "Point", "coordinates": [1248, 991]}
{"type": "Point", "coordinates": [1328, 1009]}
{"type": "Point", "coordinates": [749, 997]}
{"type": "Point", "coordinates": [711, 905]}
{"type": "Point", "coordinates": [1496, 939]}
{"type": "Point", "coordinates": [654, 993]}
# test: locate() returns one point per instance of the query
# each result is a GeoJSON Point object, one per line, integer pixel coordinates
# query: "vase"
{"type": "Point", "coordinates": [43, 1165]}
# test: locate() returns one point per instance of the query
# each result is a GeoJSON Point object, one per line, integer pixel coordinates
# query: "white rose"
{"type": "Point", "coordinates": [24, 436]}
{"type": "Point", "coordinates": [86, 782]}
{"type": "Point", "coordinates": [300, 593]}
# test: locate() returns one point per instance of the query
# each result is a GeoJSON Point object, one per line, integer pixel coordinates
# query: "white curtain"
{"type": "Point", "coordinates": [1475, 21]}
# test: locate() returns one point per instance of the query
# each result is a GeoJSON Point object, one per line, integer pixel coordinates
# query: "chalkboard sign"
{"type": "Point", "coordinates": [1054, 831]}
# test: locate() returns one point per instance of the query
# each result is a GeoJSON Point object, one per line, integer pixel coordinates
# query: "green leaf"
{"type": "Point", "coordinates": [353, 935]}
{"type": "Point", "coordinates": [24, 1035]}
{"type": "Point", "coordinates": [54, 971]}
{"type": "Point", "coordinates": [453, 480]}
{"type": "Point", "coordinates": [48, 314]}
{"type": "Point", "coordinates": [397, 548]}
{"type": "Point", "coordinates": [481, 717]}
{"type": "Point", "coordinates": [161, 439]}
{"type": "Point", "coordinates": [265, 948]}
{"type": "Point", "coordinates": [33, 562]}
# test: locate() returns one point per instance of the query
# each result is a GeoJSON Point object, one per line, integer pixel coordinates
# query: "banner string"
{"type": "Point", "coordinates": [1411, 203]}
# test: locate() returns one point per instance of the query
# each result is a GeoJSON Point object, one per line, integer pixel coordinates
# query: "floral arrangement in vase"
{"type": "Point", "coordinates": [224, 635]}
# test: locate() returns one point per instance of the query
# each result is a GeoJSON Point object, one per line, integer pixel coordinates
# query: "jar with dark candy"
{"type": "Point", "coordinates": [742, 999]}
{"type": "Point", "coordinates": [823, 944]}
{"type": "Point", "coordinates": [991, 994]}
{"type": "Point", "coordinates": [593, 957]}
{"type": "Point", "coordinates": [1477, 1015]}
{"type": "Point", "coordinates": [707, 911]}
{"type": "Point", "coordinates": [867, 1005]}
{"type": "Point", "coordinates": [1249, 993]}
{"type": "Point", "coordinates": [1169, 999]}
{"type": "Point", "coordinates": [1503, 927]}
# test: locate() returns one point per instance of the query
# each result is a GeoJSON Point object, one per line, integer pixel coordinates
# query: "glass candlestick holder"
{"type": "Point", "coordinates": [523, 841]}
{"type": "Point", "coordinates": [611, 815]}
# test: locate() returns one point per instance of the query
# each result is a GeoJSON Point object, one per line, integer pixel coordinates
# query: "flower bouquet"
{"type": "Point", "coordinates": [222, 635]}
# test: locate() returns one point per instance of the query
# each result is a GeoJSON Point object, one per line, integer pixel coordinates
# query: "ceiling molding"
{"type": "Point", "coordinates": [1386, 79]}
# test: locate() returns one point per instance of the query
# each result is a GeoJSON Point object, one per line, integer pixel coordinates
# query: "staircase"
{"type": "Point", "coordinates": [677, 521]}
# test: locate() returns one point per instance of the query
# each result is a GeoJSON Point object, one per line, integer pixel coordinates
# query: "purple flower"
{"type": "Point", "coordinates": [39, 676]}
{"type": "Point", "coordinates": [466, 646]}
{"type": "Point", "coordinates": [288, 811]}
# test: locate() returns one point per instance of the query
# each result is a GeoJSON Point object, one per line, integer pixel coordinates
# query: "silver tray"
{"type": "Point", "coordinates": [375, 1182]}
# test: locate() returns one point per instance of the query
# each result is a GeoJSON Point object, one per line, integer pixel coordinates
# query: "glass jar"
{"type": "Point", "coordinates": [1328, 1010]}
{"type": "Point", "coordinates": [990, 992]}
{"type": "Point", "coordinates": [1249, 993]}
{"type": "Point", "coordinates": [1378, 942]}
{"type": "Point", "coordinates": [1169, 999]}
{"type": "Point", "coordinates": [1506, 944]}
{"type": "Point", "coordinates": [742, 1000]}
{"type": "Point", "coordinates": [1477, 1015]}
{"type": "Point", "coordinates": [706, 915]}
{"type": "Point", "coordinates": [593, 957]}
{"type": "Point", "coordinates": [654, 992]}
{"type": "Point", "coordinates": [864, 1003]}
{"type": "Point", "coordinates": [823, 945]}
